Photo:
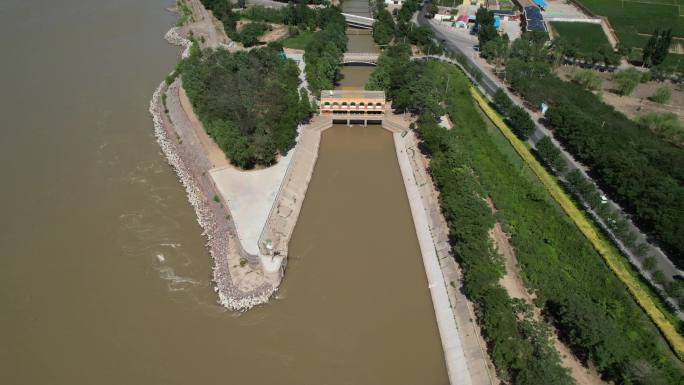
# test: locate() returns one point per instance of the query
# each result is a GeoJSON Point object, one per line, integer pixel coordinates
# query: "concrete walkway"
{"type": "Point", "coordinates": [458, 363]}
{"type": "Point", "coordinates": [463, 318]}
{"type": "Point", "coordinates": [282, 218]}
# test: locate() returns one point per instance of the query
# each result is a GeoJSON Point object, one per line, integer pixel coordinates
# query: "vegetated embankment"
{"type": "Point", "coordinates": [594, 313]}
{"type": "Point", "coordinates": [608, 252]}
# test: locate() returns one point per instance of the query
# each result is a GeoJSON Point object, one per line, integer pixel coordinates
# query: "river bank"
{"type": "Point", "coordinates": [242, 224]}
{"type": "Point", "coordinates": [190, 164]}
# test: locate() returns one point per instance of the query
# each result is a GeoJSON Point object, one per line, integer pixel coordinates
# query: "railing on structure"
{"type": "Point", "coordinates": [351, 57]}
{"type": "Point", "coordinates": [359, 21]}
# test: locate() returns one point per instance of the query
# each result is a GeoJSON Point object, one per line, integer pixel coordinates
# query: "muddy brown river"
{"type": "Point", "coordinates": [104, 278]}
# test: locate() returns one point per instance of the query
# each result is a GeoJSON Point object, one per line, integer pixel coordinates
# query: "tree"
{"type": "Point", "coordinates": [485, 26]}
{"type": "Point", "coordinates": [520, 122]}
{"type": "Point", "coordinates": [551, 154]}
{"type": "Point", "coordinates": [662, 95]}
{"type": "Point", "coordinates": [431, 10]}
{"type": "Point", "coordinates": [305, 108]}
{"type": "Point", "coordinates": [657, 47]}
{"type": "Point", "coordinates": [530, 47]}
{"type": "Point", "coordinates": [502, 101]}
{"type": "Point", "coordinates": [659, 277]}
{"type": "Point", "coordinates": [627, 81]}
{"type": "Point", "coordinates": [384, 27]}
{"type": "Point", "coordinates": [496, 50]}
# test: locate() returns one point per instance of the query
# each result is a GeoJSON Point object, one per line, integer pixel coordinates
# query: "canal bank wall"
{"type": "Point", "coordinates": [464, 351]}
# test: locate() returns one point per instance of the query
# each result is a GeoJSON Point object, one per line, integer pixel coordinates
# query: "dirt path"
{"type": "Point", "coordinates": [215, 155]}
{"type": "Point", "coordinates": [513, 284]}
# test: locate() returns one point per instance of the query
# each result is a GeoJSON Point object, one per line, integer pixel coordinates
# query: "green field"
{"type": "Point", "coordinates": [634, 21]}
{"type": "Point", "coordinates": [587, 37]}
{"type": "Point", "coordinates": [298, 42]}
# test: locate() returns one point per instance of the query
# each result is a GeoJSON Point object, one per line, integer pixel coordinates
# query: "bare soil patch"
{"type": "Point", "coordinates": [515, 288]}
{"type": "Point", "coordinates": [637, 103]}
{"type": "Point", "coordinates": [215, 155]}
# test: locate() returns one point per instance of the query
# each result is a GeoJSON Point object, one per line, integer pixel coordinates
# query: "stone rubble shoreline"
{"type": "Point", "coordinates": [212, 218]}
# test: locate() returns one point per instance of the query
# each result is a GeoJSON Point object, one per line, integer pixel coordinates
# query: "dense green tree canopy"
{"type": "Point", "coordinates": [247, 101]}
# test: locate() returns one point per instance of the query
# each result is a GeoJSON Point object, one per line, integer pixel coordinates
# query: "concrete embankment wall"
{"type": "Point", "coordinates": [288, 203]}
{"type": "Point", "coordinates": [464, 352]}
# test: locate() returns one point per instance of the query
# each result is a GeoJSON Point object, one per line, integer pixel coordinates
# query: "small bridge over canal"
{"type": "Point", "coordinates": [359, 21]}
{"type": "Point", "coordinates": [365, 58]}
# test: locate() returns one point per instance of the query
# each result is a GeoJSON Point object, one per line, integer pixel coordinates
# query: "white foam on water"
{"type": "Point", "coordinates": [160, 257]}
{"type": "Point", "coordinates": [171, 245]}
{"type": "Point", "coordinates": [176, 282]}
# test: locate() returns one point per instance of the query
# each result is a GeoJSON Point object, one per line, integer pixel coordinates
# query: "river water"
{"type": "Point", "coordinates": [104, 278]}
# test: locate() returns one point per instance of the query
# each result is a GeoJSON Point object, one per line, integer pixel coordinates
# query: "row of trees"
{"type": "Point", "coordinates": [323, 55]}
{"type": "Point", "coordinates": [641, 171]}
{"type": "Point", "coordinates": [294, 14]}
{"type": "Point", "coordinates": [386, 30]}
{"type": "Point", "coordinates": [247, 101]}
{"type": "Point", "coordinates": [404, 83]}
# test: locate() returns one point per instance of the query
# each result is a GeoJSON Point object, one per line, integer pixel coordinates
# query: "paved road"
{"type": "Point", "coordinates": [465, 44]}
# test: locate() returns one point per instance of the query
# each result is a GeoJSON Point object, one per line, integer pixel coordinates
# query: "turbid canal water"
{"type": "Point", "coordinates": [104, 278]}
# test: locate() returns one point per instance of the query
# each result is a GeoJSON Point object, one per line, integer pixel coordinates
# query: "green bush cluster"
{"type": "Point", "coordinates": [403, 82]}
{"type": "Point", "coordinates": [249, 34]}
{"type": "Point", "coordinates": [665, 125]}
{"type": "Point", "coordinates": [247, 101]}
{"type": "Point", "coordinates": [384, 27]}
{"type": "Point", "coordinates": [323, 54]}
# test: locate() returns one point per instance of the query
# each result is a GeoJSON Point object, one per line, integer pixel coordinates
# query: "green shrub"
{"type": "Point", "coordinates": [627, 80]}
{"type": "Point", "coordinates": [650, 263]}
{"type": "Point", "coordinates": [588, 79]}
{"type": "Point", "coordinates": [662, 95]}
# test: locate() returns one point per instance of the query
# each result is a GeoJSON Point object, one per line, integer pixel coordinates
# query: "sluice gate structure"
{"type": "Point", "coordinates": [353, 106]}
